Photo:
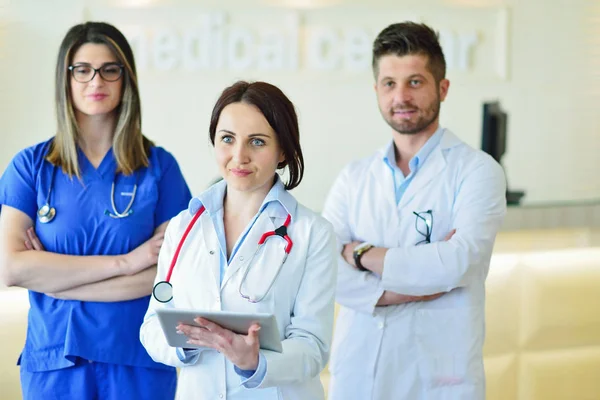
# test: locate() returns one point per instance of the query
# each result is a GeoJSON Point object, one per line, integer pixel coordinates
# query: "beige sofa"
{"type": "Point", "coordinates": [543, 326]}
{"type": "Point", "coordinates": [543, 319]}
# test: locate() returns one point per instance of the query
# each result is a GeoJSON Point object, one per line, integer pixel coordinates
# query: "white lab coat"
{"type": "Point", "coordinates": [302, 300]}
{"type": "Point", "coordinates": [421, 350]}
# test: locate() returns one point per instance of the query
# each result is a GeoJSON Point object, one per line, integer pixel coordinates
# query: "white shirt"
{"type": "Point", "coordinates": [420, 350]}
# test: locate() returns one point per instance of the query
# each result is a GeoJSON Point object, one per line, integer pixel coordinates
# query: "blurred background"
{"type": "Point", "coordinates": [539, 59]}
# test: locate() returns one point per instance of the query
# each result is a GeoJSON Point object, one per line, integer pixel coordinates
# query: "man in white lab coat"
{"type": "Point", "coordinates": [416, 224]}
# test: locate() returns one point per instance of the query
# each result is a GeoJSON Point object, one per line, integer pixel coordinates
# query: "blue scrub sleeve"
{"type": "Point", "coordinates": [253, 379]}
{"type": "Point", "coordinates": [173, 193]}
{"type": "Point", "coordinates": [17, 185]}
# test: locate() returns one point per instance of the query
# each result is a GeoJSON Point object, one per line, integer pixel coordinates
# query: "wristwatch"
{"type": "Point", "coordinates": [358, 252]}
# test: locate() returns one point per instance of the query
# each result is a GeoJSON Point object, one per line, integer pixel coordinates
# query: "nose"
{"type": "Point", "coordinates": [97, 80]}
{"type": "Point", "coordinates": [402, 95]}
{"type": "Point", "coordinates": [241, 155]}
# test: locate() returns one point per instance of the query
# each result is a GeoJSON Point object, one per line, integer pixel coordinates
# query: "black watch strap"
{"type": "Point", "coordinates": [358, 253]}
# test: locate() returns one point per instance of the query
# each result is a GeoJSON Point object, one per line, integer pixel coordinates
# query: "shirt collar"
{"type": "Point", "coordinates": [389, 155]}
{"type": "Point", "coordinates": [278, 202]}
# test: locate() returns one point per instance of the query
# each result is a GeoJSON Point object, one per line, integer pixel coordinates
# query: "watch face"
{"type": "Point", "coordinates": [361, 248]}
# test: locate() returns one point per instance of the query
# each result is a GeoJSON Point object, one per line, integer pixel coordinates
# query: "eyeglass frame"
{"type": "Point", "coordinates": [97, 71]}
{"type": "Point", "coordinates": [428, 224]}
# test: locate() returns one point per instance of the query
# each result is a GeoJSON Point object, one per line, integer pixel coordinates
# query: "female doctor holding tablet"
{"type": "Point", "coordinates": [246, 245]}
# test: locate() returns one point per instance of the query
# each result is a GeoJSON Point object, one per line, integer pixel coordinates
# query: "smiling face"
{"type": "Point", "coordinates": [247, 149]}
{"type": "Point", "coordinates": [98, 96]}
{"type": "Point", "coordinates": [408, 95]}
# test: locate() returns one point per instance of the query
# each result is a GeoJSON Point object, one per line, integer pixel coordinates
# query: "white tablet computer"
{"type": "Point", "coordinates": [237, 322]}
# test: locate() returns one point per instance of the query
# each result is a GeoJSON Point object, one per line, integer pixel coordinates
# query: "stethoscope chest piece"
{"type": "Point", "coordinates": [163, 291]}
{"type": "Point", "coordinates": [46, 213]}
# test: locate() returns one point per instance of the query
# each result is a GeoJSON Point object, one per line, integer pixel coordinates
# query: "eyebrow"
{"type": "Point", "coordinates": [413, 76]}
{"type": "Point", "coordinates": [252, 135]}
{"type": "Point", "coordinates": [102, 65]}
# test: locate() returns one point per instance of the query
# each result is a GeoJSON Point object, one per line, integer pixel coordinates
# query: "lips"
{"type": "Point", "coordinates": [97, 96]}
{"type": "Point", "coordinates": [240, 172]}
{"type": "Point", "coordinates": [404, 113]}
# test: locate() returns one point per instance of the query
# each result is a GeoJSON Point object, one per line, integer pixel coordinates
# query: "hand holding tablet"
{"type": "Point", "coordinates": [234, 321]}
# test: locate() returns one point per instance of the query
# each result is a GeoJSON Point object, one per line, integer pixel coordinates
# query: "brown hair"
{"type": "Point", "coordinates": [279, 113]}
{"type": "Point", "coordinates": [130, 147]}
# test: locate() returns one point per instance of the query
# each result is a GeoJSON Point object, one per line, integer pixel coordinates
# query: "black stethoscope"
{"type": "Point", "coordinates": [46, 213]}
{"type": "Point", "coordinates": [163, 290]}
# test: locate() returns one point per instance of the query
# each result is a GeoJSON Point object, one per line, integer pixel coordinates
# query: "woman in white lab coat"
{"type": "Point", "coordinates": [254, 131]}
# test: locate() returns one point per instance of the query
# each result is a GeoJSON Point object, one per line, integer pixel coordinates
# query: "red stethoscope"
{"type": "Point", "coordinates": [163, 290]}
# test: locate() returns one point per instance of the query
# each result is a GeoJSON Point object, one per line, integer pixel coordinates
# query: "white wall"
{"type": "Point", "coordinates": [540, 58]}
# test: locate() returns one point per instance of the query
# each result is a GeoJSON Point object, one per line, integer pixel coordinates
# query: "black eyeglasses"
{"type": "Point", "coordinates": [424, 225]}
{"type": "Point", "coordinates": [84, 73]}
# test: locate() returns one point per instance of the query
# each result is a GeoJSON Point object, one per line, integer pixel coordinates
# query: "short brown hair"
{"type": "Point", "coordinates": [279, 112]}
{"type": "Point", "coordinates": [410, 38]}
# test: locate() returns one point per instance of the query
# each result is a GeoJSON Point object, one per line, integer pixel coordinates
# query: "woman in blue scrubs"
{"type": "Point", "coordinates": [81, 224]}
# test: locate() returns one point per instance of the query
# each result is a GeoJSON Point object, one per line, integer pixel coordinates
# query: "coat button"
{"type": "Point", "coordinates": [241, 258]}
{"type": "Point", "coordinates": [211, 252]}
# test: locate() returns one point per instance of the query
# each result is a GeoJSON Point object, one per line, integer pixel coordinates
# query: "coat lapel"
{"type": "Point", "coordinates": [432, 167]}
{"type": "Point", "coordinates": [212, 247]}
{"type": "Point", "coordinates": [263, 224]}
{"type": "Point", "coordinates": [382, 175]}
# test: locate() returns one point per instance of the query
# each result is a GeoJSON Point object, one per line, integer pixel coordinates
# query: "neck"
{"type": "Point", "coordinates": [407, 145]}
{"type": "Point", "coordinates": [244, 205]}
{"type": "Point", "coordinates": [96, 133]}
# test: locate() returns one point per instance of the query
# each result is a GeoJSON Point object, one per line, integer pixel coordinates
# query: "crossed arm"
{"type": "Point", "coordinates": [429, 269]}
{"type": "Point", "coordinates": [25, 263]}
{"type": "Point", "coordinates": [373, 260]}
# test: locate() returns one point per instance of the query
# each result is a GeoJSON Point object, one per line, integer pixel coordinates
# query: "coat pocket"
{"type": "Point", "coordinates": [450, 360]}
{"type": "Point", "coordinates": [424, 225]}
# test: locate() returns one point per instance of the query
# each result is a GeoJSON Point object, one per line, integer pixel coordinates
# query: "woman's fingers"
{"type": "Point", "coordinates": [33, 239]}
{"type": "Point", "coordinates": [252, 337]}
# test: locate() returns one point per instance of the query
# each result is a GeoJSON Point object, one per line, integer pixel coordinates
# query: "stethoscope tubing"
{"type": "Point", "coordinates": [46, 212]}
{"type": "Point", "coordinates": [163, 290]}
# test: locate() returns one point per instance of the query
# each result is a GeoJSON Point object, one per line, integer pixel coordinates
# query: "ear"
{"type": "Point", "coordinates": [443, 88]}
{"type": "Point", "coordinates": [281, 162]}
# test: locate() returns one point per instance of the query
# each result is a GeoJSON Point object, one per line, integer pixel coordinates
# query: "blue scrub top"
{"type": "Point", "coordinates": [60, 331]}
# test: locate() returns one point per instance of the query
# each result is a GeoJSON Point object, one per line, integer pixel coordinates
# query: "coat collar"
{"type": "Point", "coordinates": [428, 171]}
{"type": "Point", "coordinates": [277, 204]}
